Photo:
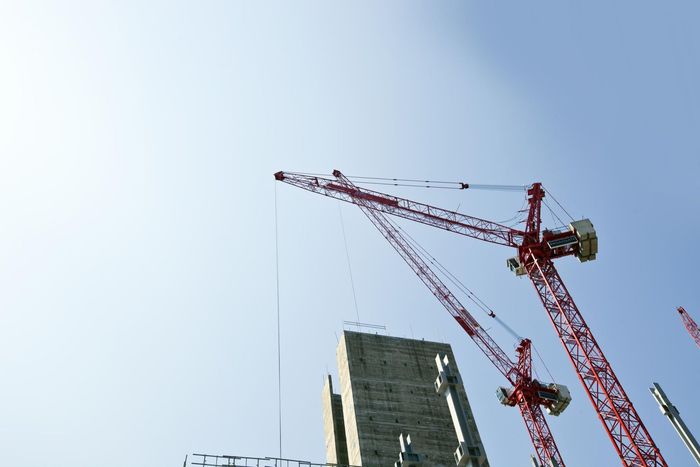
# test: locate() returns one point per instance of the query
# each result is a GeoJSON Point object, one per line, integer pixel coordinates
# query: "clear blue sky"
{"type": "Point", "coordinates": [137, 146]}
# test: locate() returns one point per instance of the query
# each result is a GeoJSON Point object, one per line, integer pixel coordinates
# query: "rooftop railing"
{"type": "Point", "coordinates": [208, 460]}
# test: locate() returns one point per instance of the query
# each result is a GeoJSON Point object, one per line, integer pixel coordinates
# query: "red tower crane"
{"type": "Point", "coordinates": [690, 325]}
{"type": "Point", "coordinates": [536, 250]}
{"type": "Point", "coordinates": [528, 394]}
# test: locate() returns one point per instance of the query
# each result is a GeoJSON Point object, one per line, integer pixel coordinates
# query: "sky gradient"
{"type": "Point", "coordinates": [137, 146]}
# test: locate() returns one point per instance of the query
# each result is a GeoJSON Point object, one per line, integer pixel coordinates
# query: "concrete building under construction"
{"type": "Point", "coordinates": [400, 402]}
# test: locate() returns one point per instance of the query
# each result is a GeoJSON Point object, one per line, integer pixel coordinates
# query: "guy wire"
{"type": "Point", "coordinates": [279, 352]}
{"type": "Point", "coordinates": [347, 256]}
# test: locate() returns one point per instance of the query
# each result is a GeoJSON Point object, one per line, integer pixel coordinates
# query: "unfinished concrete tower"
{"type": "Point", "coordinates": [387, 391]}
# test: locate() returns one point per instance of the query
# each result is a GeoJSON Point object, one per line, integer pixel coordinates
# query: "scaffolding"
{"type": "Point", "coordinates": [209, 460]}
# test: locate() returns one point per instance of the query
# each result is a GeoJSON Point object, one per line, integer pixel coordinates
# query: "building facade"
{"type": "Point", "coordinates": [387, 389]}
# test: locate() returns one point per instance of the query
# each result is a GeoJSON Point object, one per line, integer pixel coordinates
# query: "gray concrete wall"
{"type": "Point", "coordinates": [386, 386]}
{"type": "Point", "coordinates": [333, 425]}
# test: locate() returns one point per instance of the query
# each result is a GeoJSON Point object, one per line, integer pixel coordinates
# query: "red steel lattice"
{"type": "Point", "coordinates": [690, 325]}
{"type": "Point", "coordinates": [630, 438]}
{"type": "Point", "coordinates": [519, 375]}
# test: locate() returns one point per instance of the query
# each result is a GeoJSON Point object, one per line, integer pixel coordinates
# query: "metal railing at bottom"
{"type": "Point", "coordinates": [209, 460]}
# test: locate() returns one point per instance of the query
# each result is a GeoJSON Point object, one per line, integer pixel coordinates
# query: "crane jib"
{"type": "Point", "coordinates": [362, 195]}
{"type": "Point", "coordinates": [435, 219]}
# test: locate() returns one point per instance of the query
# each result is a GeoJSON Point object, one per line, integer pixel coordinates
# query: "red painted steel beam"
{"type": "Point", "coordinates": [690, 325]}
{"type": "Point", "coordinates": [625, 428]}
{"type": "Point", "coordinates": [423, 213]}
{"type": "Point", "coordinates": [541, 436]}
{"type": "Point", "coordinates": [542, 439]}
{"type": "Point", "coordinates": [458, 311]}
{"type": "Point", "coordinates": [620, 419]}
{"type": "Point", "coordinates": [518, 375]}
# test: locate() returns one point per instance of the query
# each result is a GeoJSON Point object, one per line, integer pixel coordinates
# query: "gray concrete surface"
{"type": "Point", "coordinates": [386, 388]}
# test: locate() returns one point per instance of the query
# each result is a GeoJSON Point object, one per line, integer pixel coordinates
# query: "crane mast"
{"type": "Point", "coordinates": [529, 395]}
{"type": "Point", "coordinates": [525, 397]}
{"type": "Point", "coordinates": [623, 424]}
{"type": "Point", "coordinates": [690, 325]}
{"type": "Point", "coordinates": [536, 250]}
